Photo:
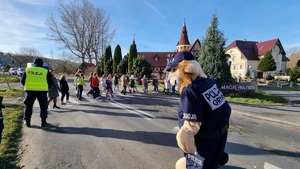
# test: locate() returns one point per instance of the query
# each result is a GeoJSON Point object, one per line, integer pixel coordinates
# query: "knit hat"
{"type": "Point", "coordinates": [38, 62]}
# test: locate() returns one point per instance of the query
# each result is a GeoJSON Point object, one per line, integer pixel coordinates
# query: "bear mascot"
{"type": "Point", "coordinates": [203, 115]}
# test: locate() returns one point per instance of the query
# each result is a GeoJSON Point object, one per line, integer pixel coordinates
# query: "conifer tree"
{"type": "Point", "coordinates": [298, 63]}
{"type": "Point", "coordinates": [117, 58]}
{"type": "Point", "coordinates": [132, 55]}
{"type": "Point", "coordinates": [141, 67]}
{"type": "Point", "coordinates": [100, 67]}
{"type": "Point", "coordinates": [212, 58]}
{"type": "Point", "coordinates": [123, 65]}
{"type": "Point", "coordinates": [109, 66]}
{"type": "Point", "coordinates": [267, 63]}
{"type": "Point", "coordinates": [107, 57]}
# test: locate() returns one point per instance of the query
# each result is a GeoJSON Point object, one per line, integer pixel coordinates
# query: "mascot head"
{"type": "Point", "coordinates": [183, 70]}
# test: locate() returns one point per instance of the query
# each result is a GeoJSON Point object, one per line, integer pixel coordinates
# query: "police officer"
{"type": "Point", "coordinates": [36, 81]}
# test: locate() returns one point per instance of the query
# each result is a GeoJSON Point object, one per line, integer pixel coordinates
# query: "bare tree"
{"type": "Point", "coordinates": [78, 27]}
{"type": "Point", "coordinates": [29, 51]}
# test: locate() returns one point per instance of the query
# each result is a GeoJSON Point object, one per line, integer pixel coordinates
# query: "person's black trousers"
{"type": "Point", "coordinates": [96, 92]}
{"type": "Point", "coordinates": [63, 94]}
{"type": "Point", "coordinates": [79, 91]}
{"type": "Point", "coordinates": [29, 100]}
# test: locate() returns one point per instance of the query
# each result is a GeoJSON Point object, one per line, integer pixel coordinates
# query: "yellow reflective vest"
{"type": "Point", "coordinates": [36, 79]}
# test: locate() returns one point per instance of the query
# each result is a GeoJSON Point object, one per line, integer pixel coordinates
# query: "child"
{"type": "Point", "coordinates": [64, 89]}
{"type": "Point", "coordinates": [80, 83]}
{"type": "Point", "coordinates": [95, 85]}
{"type": "Point", "coordinates": [90, 81]}
{"type": "Point", "coordinates": [145, 80]}
{"type": "Point", "coordinates": [108, 87]}
{"type": "Point", "coordinates": [167, 86]}
{"type": "Point", "coordinates": [132, 84]}
{"type": "Point", "coordinates": [103, 83]}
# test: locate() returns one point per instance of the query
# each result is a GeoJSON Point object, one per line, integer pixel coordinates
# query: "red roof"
{"type": "Point", "coordinates": [162, 58]}
{"type": "Point", "coordinates": [251, 49]}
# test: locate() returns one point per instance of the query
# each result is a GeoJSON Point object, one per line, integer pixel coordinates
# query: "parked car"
{"type": "Point", "coordinates": [20, 71]}
{"type": "Point", "coordinates": [13, 71]}
{"type": "Point", "coordinates": [45, 65]}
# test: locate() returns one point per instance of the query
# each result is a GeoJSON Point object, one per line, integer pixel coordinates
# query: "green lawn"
{"type": "Point", "coordinates": [12, 126]}
{"type": "Point", "coordinates": [9, 78]}
{"type": "Point", "coordinates": [255, 98]}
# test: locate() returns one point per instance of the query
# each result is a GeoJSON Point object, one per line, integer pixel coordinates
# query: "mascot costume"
{"type": "Point", "coordinates": [203, 115]}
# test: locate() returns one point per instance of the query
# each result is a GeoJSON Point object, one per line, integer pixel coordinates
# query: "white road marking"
{"type": "Point", "coordinates": [140, 113]}
{"type": "Point", "coordinates": [270, 166]}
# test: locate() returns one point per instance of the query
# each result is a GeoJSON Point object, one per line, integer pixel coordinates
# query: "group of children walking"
{"type": "Point", "coordinates": [105, 83]}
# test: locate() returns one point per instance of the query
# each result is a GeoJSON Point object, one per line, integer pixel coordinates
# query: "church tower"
{"type": "Point", "coordinates": [183, 43]}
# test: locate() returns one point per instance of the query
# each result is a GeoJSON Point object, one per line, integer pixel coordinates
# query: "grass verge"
{"type": "Point", "coordinates": [9, 78]}
{"type": "Point", "coordinates": [13, 114]}
{"type": "Point", "coordinates": [256, 98]}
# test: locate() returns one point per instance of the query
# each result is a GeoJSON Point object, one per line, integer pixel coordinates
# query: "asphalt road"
{"type": "Point", "coordinates": [138, 131]}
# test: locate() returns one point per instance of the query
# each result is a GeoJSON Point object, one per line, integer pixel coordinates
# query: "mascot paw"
{"type": "Point", "coordinates": [186, 141]}
{"type": "Point", "coordinates": [181, 163]}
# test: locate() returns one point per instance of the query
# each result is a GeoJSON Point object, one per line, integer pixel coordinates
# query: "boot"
{"type": "Point", "coordinates": [44, 123]}
{"type": "Point", "coordinates": [27, 122]}
{"type": "Point", "coordinates": [55, 107]}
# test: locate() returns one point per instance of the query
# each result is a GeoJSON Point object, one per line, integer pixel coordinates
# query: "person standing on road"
{"type": "Point", "coordinates": [155, 84]}
{"type": "Point", "coordinates": [103, 84]}
{"type": "Point", "coordinates": [116, 83]}
{"type": "Point", "coordinates": [80, 84]}
{"type": "Point", "coordinates": [64, 89]}
{"type": "Point", "coordinates": [53, 92]}
{"type": "Point", "coordinates": [173, 88]}
{"type": "Point", "coordinates": [145, 80]}
{"type": "Point", "coordinates": [108, 87]}
{"type": "Point", "coordinates": [91, 91]}
{"type": "Point", "coordinates": [124, 84]}
{"type": "Point", "coordinates": [36, 81]}
{"type": "Point", "coordinates": [95, 85]}
{"type": "Point", "coordinates": [167, 86]}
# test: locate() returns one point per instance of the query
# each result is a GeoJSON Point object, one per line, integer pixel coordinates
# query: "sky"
{"type": "Point", "coordinates": [156, 24]}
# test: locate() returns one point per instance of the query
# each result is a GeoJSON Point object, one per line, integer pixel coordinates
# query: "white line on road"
{"type": "Point", "coordinates": [135, 111]}
{"type": "Point", "coordinates": [270, 166]}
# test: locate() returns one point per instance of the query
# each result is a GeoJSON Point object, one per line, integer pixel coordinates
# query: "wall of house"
{"type": "Point", "coordinates": [278, 60]}
{"type": "Point", "coordinates": [238, 63]}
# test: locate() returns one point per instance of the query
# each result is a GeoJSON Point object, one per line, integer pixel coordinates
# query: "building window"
{"type": "Point", "coordinates": [241, 66]}
{"type": "Point", "coordinates": [250, 66]}
{"type": "Point", "coordinates": [156, 58]}
{"type": "Point", "coordinates": [233, 58]}
{"type": "Point", "coordinates": [233, 67]}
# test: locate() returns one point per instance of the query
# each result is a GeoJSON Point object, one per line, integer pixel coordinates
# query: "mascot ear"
{"type": "Point", "coordinates": [194, 68]}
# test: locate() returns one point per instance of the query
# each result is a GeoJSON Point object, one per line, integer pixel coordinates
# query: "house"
{"type": "Point", "coordinates": [87, 68]}
{"type": "Point", "coordinates": [245, 55]}
{"type": "Point", "coordinates": [159, 60]}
